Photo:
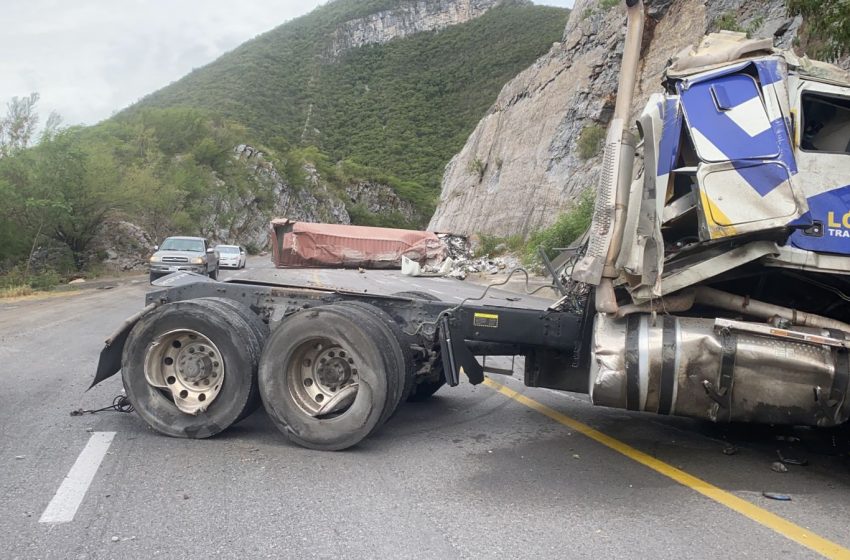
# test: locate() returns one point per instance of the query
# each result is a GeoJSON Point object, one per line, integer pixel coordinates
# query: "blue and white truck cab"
{"type": "Point", "coordinates": [719, 252]}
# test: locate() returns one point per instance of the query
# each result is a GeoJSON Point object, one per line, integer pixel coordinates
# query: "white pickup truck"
{"type": "Point", "coordinates": [184, 254]}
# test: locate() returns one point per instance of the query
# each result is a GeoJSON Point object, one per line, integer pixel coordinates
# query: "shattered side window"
{"type": "Point", "coordinates": [826, 124]}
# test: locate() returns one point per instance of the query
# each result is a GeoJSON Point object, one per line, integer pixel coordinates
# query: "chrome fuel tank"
{"type": "Point", "coordinates": [721, 370]}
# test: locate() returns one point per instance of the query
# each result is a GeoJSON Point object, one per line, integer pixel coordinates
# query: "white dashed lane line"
{"type": "Point", "coordinates": [68, 498]}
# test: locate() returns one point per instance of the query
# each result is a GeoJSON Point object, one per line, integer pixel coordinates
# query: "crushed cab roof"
{"type": "Point", "coordinates": [716, 50]}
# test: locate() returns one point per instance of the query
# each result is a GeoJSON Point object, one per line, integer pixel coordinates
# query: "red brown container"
{"type": "Point", "coordinates": [303, 244]}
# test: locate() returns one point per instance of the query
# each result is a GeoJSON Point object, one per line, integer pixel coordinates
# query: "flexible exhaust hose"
{"type": "Point", "coordinates": [756, 308]}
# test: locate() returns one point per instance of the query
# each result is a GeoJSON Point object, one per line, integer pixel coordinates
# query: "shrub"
{"type": "Point", "coordinates": [477, 167]}
{"type": "Point", "coordinates": [15, 291]}
{"type": "Point", "coordinates": [590, 141]}
{"type": "Point", "coordinates": [568, 227]}
{"type": "Point", "coordinates": [361, 216]}
{"type": "Point", "coordinates": [515, 243]}
{"type": "Point", "coordinates": [253, 248]}
{"type": "Point", "coordinates": [826, 26]}
{"type": "Point", "coordinates": [493, 245]}
{"type": "Point", "coordinates": [14, 283]}
{"type": "Point", "coordinates": [487, 245]}
{"type": "Point", "coordinates": [754, 25]}
{"type": "Point", "coordinates": [728, 22]}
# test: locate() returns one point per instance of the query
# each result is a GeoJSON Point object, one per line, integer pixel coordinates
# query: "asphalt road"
{"type": "Point", "coordinates": [472, 473]}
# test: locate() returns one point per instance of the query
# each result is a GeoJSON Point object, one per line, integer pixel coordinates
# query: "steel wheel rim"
{"type": "Point", "coordinates": [322, 377]}
{"type": "Point", "coordinates": [188, 366]}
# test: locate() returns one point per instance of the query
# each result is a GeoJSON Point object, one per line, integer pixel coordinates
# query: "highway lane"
{"type": "Point", "coordinates": [470, 474]}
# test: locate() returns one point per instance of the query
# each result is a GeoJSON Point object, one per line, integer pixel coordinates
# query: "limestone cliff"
{"type": "Point", "coordinates": [407, 19]}
{"type": "Point", "coordinates": [247, 222]}
{"type": "Point", "coordinates": [521, 166]}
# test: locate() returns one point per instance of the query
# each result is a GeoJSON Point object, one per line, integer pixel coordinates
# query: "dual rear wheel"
{"type": "Point", "coordinates": [332, 375]}
{"type": "Point", "coordinates": [190, 367]}
{"type": "Point", "coordinates": [328, 376]}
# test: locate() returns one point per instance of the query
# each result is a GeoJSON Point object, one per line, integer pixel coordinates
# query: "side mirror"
{"type": "Point", "coordinates": [210, 250]}
{"type": "Point", "coordinates": [156, 247]}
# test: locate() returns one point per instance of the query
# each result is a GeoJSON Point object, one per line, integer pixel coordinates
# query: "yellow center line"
{"type": "Point", "coordinates": [761, 516]}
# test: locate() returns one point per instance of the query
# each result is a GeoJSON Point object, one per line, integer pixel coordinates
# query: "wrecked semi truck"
{"type": "Point", "coordinates": [713, 283]}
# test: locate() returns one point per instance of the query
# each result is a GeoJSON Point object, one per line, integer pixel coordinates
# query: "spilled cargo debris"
{"type": "Point", "coordinates": [776, 496]}
{"type": "Point", "coordinates": [461, 268]}
{"type": "Point", "coordinates": [416, 253]}
{"type": "Point", "coordinates": [776, 466]}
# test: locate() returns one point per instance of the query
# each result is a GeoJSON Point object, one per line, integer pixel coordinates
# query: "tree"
{"type": "Point", "coordinates": [827, 26]}
{"type": "Point", "coordinates": [18, 127]}
{"type": "Point", "coordinates": [51, 127]}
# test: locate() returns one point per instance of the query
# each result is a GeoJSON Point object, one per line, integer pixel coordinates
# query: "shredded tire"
{"type": "Point", "coordinates": [256, 344]}
{"type": "Point", "coordinates": [372, 348]}
{"type": "Point", "coordinates": [394, 329]}
{"type": "Point", "coordinates": [233, 336]}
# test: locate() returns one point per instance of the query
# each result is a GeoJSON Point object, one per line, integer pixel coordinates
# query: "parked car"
{"type": "Point", "coordinates": [232, 256]}
{"type": "Point", "coordinates": [192, 254]}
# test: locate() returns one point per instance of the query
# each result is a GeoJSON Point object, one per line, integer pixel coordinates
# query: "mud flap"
{"type": "Point", "coordinates": [110, 357]}
{"type": "Point", "coordinates": [456, 356]}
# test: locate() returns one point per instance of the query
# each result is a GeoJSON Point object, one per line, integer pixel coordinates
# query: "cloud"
{"type": "Point", "coordinates": [91, 58]}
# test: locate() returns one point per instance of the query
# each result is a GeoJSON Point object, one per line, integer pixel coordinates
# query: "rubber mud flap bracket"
{"type": "Point", "coordinates": [458, 356]}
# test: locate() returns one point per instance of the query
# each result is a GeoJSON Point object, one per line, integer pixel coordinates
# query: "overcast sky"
{"type": "Point", "coordinates": [90, 58]}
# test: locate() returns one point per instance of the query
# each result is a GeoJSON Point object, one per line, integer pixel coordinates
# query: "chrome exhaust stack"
{"type": "Point", "coordinates": [597, 267]}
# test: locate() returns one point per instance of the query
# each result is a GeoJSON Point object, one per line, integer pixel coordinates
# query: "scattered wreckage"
{"type": "Point", "coordinates": [713, 283]}
{"type": "Point", "coordinates": [307, 244]}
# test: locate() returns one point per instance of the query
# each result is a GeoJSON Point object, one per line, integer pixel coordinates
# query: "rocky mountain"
{"type": "Point", "coordinates": [404, 20]}
{"type": "Point", "coordinates": [316, 201]}
{"type": "Point", "coordinates": [242, 215]}
{"type": "Point", "coordinates": [533, 153]}
{"type": "Point", "coordinates": [393, 84]}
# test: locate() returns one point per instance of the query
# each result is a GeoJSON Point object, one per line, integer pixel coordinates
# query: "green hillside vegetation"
{"type": "Point", "coordinates": [826, 30]}
{"type": "Point", "coordinates": [168, 169]}
{"type": "Point", "coordinates": [392, 114]}
{"type": "Point", "coordinates": [404, 107]}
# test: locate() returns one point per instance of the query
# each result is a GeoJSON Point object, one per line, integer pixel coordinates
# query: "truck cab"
{"type": "Point", "coordinates": [721, 286]}
{"type": "Point", "coordinates": [821, 117]}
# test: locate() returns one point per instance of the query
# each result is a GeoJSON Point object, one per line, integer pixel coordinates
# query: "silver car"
{"type": "Point", "coordinates": [231, 256]}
